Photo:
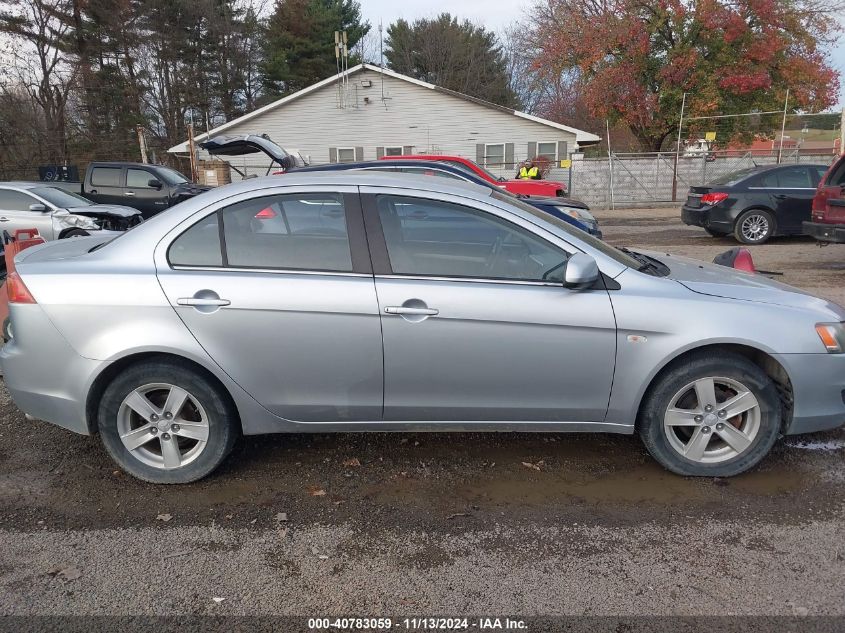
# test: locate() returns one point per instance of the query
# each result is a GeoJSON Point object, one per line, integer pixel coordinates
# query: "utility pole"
{"type": "Point", "coordinates": [678, 151]}
{"type": "Point", "coordinates": [783, 125]}
{"type": "Point", "coordinates": [842, 133]}
{"type": "Point", "coordinates": [142, 143]}
{"type": "Point", "coordinates": [610, 163]}
{"type": "Point", "coordinates": [193, 152]}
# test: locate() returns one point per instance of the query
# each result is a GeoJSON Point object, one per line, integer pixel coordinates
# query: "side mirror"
{"type": "Point", "coordinates": [38, 207]}
{"type": "Point", "coordinates": [581, 272]}
{"type": "Point", "coordinates": [154, 183]}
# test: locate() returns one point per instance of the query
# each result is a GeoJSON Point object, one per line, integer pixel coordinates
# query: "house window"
{"type": "Point", "coordinates": [393, 151]}
{"type": "Point", "coordinates": [547, 151]}
{"type": "Point", "coordinates": [346, 154]}
{"type": "Point", "coordinates": [494, 155]}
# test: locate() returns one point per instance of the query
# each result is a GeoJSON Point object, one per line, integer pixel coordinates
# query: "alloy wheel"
{"type": "Point", "coordinates": [162, 425]}
{"type": "Point", "coordinates": [712, 420]}
{"type": "Point", "coordinates": [755, 227]}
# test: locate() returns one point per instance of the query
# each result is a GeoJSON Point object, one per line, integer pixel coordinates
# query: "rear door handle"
{"type": "Point", "coordinates": [413, 311]}
{"type": "Point", "coordinates": [197, 301]}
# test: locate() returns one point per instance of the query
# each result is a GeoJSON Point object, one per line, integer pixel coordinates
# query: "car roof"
{"type": "Point", "coordinates": [26, 184]}
{"type": "Point", "coordinates": [383, 163]}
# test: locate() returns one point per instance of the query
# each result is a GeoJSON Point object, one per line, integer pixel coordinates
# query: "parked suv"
{"type": "Point", "coordinates": [828, 214]}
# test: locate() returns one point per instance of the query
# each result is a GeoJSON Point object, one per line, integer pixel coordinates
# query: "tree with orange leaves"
{"type": "Point", "coordinates": [634, 59]}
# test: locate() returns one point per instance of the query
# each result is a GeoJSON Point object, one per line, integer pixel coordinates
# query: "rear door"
{"type": "Point", "coordinates": [15, 214]}
{"type": "Point", "coordinates": [104, 184]}
{"type": "Point", "coordinates": [792, 197]}
{"type": "Point", "coordinates": [278, 289]}
{"type": "Point", "coordinates": [831, 196]}
{"type": "Point", "coordinates": [472, 332]}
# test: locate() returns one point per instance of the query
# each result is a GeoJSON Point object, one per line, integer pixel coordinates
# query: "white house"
{"type": "Point", "coordinates": [370, 112]}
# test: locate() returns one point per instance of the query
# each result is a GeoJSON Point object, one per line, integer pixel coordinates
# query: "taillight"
{"type": "Point", "coordinates": [265, 214]}
{"type": "Point", "coordinates": [820, 202]}
{"type": "Point", "coordinates": [17, 290]}
{"type": "Point", "coordinates": [713, 198]}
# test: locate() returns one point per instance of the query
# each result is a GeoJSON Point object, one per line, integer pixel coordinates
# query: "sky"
{"type": "Point", "coordinates": [496, 15]}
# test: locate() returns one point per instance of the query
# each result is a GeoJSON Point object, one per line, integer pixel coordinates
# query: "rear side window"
{"type": "Point", "coordinates": [290, 232]}
{"type": "Point", "coordinates": [105, 176]}
{"type": "Point", "coordinates": [138, 178]}
{"type": "Point", "coordinates": [816, 175]}
{"type": "Point", "coordinates": [797, 177]}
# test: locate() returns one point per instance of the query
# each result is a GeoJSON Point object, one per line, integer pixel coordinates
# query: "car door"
{"type": "Point", "coordinates": [285, 304]}
{"type": "Point", "coordinates": [15, 213]}
{"type": "Point", "coordinates": [472, 331]}
{"type": "Point", "coordinates": [105, 184]}
{"type": "Point", "coordinates": [792, 197]}
{"type": "Point", "coordinates": [138, 193]}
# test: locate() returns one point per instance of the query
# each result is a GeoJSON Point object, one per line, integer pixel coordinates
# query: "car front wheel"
{"type": "Point", "coordinates": [712, 416]}
{"type": "Point", "coordinates": [165, 422]}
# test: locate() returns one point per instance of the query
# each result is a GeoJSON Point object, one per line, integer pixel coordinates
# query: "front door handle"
{"type": "Point", "coordinates": [411, 311]}
{"type": "Point", "coordinates": [200, 301]}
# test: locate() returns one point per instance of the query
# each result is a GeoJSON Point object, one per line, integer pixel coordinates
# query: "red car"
{"type": "Point", "coordinates": [828, 214]}
{"type": "Point", "coordinates": [549, 188]}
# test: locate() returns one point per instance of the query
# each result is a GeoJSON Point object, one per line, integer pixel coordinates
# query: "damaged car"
{"type": "Point", "coordinates": [242, 144]}
{"type": "Point", "coordinates": [57, 213]}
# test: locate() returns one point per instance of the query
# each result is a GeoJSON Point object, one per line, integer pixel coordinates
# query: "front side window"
{"type": "Point", "coordinates": [547, 151]}
{"type": "Point", "coordinates": [793, 177]}
{"type": "Point", "coordinates": [138, 178]}
{"type": "Point", "coordinates": [11, 200]}
{"type": "Point", "coordinates": [346, 154]}
{"type": "Point", "coordinates": [494, 155]}
{"type": "Point", "coordinates": [289, 232]}
{"type": "Point", "coordinates": [105, 176]}
{"type": "Point", "coordinates": [440, 239]}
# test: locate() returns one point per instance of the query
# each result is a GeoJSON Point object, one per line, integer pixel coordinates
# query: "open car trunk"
{"type": "Point", "coordinates": [243, 144]}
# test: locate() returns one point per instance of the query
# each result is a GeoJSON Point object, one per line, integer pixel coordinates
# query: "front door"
{"type": "Point", "coordinates": [279, 291]}
{"type": "Point", "coordinates": [475, 326]}
{"type": "Point", "coordinates": [793, 197]}
{"type": "Point", "coordinates": [148, 200]}
{"type": "Point", "coordinates": [15, 214]}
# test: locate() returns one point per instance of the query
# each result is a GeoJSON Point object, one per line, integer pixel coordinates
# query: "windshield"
{"type": "Point", "coordinates": [170, 176]}
{"type": "Point", "coordinates": [603, 247]}
{"type": "Point", "coordinates": [61, 198]}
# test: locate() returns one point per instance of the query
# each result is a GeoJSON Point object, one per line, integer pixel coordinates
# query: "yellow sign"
{"type": "Point", "coordinates": [709, 136]}
{"type": "Point", "coordinates": [566, 163]}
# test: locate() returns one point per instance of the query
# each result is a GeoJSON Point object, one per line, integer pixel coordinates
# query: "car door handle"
{"type": "Point", "coordinates": [779, 196]}
{"type": "Point", "coordinates": [199, 301]}
{"type": "Point", "coordinates": [130, 193]}
{"type": "Point", "coordinates": [4, 219]}
{"type": "Point", "coordinates": [412, 311]}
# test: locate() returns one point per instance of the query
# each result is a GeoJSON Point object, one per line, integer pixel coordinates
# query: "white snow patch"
{"type": "Point", "coordinates": [832, 445]}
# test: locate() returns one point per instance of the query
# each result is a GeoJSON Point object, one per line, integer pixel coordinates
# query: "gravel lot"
{"type": "Point", "coordinates": [427, 524]}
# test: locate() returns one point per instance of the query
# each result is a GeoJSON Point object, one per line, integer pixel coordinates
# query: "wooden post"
{"type": "Point", "coordinates": [677, 151]}
{"type": "Point", "coordinates": [193, 152]}
{"type": "Point", "coordinates": [142, 143]}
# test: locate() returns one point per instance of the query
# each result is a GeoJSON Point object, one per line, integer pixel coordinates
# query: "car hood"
{"type": "Point", "coordinates": [95, 210]}
{"type": "Point", "coordinates": [729, 283]}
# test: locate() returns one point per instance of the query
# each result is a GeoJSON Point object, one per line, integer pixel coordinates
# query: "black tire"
{"type": "Point", "coordinates": [223, 427]}
{"type": "Point", "coordinates": [714, 232]}
{"type": "Point", "coordinates": [675, 378]}
{"type": "Point", "coordinates": [7, 330]}
{"type": "Point", "coordinates": [744, 227]}
{"type": "Point", "coordinates": [74, 233]}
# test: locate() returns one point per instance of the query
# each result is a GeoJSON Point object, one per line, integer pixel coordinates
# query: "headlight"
{"type": "Point", "coordinates": [832, 336]}
{"type": "Point", "coordinates": [80, 221]}
{"type": "Point", "coordinates": [578, 214]}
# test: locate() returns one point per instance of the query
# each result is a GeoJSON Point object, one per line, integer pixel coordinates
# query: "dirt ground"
{"type": "Point", "coordinates": [425, 524]}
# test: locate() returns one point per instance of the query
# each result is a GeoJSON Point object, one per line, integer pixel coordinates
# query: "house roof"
{"type": "Point", "coordinates": [581, 137]}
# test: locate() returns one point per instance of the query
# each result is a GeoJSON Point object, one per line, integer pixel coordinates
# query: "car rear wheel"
{"type": "Point", "coordinates": [754, 226]}
{"type": "Point", "coordinates": [164, 422]}
{"type": "Point", "coordinates": [712, 416]}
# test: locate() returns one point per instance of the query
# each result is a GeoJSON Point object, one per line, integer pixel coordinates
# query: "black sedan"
{"type": "Point", "coordinates": [755, 204]}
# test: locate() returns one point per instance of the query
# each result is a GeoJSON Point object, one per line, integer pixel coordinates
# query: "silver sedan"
{"type": "Point", "coordinates": [343, 301]}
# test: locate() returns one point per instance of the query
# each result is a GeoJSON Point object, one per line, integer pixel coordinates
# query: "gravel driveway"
{"type": "Point", "coordinates": [380, 524]}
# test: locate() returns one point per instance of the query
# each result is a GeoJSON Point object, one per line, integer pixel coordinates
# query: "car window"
{"type": "Point", "coordinates": [11, 200]}
{"type": "Point", "coordinates": [199, 245]}
{"type": "Point", "coordinates": [105, 176]}
{"type": "Point", "coordinates": [292, 231]}
{"type": "Point", "coordinates": [428, 171]}
{"type": "Point", "coordinates": [433, 238]}
{"type": "Point", "coordinates": [733, 178]}
{"type": "Point", "coordinates": [794, 177]}
{"type": "Point", "coordinates": [138, 178]}
{"type": "Point", "coordinates": [816, 175]}
{"type": "Point", "coordinates": [837, 175]}
{"type": "Point", "coordinates": [765, 179]}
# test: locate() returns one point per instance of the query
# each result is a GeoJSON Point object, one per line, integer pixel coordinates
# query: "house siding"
{"type": "Point", "coordinates": [442, 123]}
